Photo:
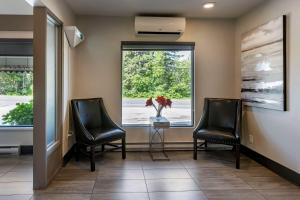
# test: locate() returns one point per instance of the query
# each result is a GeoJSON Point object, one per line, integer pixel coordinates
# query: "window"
{"type": "Point", "coordinates": [16, 76]}
{"type": "Point", "coordinates": [157, 69]}
{"type": "Point", "coordinates": [52, 64]}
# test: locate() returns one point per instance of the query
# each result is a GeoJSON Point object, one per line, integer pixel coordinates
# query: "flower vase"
{"type": "Point", "coordinates": [158, 113]}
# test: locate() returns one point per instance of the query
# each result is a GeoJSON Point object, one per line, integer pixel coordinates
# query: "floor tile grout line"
{"type": "Point", "coordinates": [95, 181]}
{"type": "Point", "coordinates": [253, 190]}
{"type": "Point", "coordinates": [59, 192]}
{"type": "Point", "coordinates": [6, 172]}
{"type": "Point", "coordinates": [107, 193]}
{"type": "Point", "coordinates": [146, 184]}
{"type": "Point", "coordinates": [2, 174]}
{"type": "Point", "coordinates": [263, 196]}
{"type": "Point", "coordinates": [166, 178]}
{"type": "Point", "coordinates": [247, 183]}
{"type": "Point", "coordinates": [196, 182]}
{"type": "Point", "coordinates": [187, 169]}
{"type": "Point", "coordinates": [189, 190]}
{"type": "Point", "coordinates": [142, 166]}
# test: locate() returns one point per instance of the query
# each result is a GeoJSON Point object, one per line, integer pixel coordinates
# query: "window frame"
{"type": "Point", "coordinates": [51, 17]}
{"type": "Point", "coordinates": [24, 40]}
{"type": "Point", "coordinates": [192, 44]}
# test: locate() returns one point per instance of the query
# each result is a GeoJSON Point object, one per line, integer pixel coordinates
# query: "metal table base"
{"type": "Point", "coordinates": [157, 137]}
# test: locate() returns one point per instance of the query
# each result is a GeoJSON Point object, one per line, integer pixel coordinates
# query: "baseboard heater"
{"type": "Point", "coordinates": [9, 148]}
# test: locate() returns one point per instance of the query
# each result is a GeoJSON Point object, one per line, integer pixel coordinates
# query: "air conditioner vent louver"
{"type": "Point", "coordinates": [163, 33]}
{"type": "Point", "coordinates": [159, 25]}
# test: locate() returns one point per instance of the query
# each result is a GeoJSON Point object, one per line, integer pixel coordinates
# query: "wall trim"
{"type": "Point", "coordinates": [69, 155]}
{"type": "Point", "coordinates": [272, 165]}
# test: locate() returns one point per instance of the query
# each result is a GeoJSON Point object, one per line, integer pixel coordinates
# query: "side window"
{"type": "Point", "coordinates": [16, 83]}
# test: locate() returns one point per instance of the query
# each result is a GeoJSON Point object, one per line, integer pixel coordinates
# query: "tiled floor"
{"type": "Point", "coordinates": [212, 177]}
{"type": "Point", "coordinates": [15, 177]}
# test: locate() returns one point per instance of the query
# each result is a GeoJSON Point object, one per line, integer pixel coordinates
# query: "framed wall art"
{"type": "Point", "coordinates": [263, 65]}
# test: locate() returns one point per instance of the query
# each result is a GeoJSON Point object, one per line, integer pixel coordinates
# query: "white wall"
{"type": "Point", "coordinates": [276, 134]}
{"type": "Point", "coordinates": [16, 23]}
{"type": "Point", "coordinates": [98, 64]}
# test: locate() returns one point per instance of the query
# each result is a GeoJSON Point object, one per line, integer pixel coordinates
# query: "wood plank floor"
{"type": "Point", "coordinates": [211, 177]}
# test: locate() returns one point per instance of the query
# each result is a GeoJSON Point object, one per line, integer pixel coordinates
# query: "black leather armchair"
{"type": "Point", "coordinates": [94, 127]}
{"type": "Point", "coordinates": [220, 123]}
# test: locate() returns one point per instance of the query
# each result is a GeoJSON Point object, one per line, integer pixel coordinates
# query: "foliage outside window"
{"type": "Point", "coordinates": [16, 84]}
{"type": "Point", "coordinates": [157, 70]}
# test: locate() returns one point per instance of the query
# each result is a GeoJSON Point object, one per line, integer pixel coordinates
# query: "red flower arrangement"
{"type": "Point", "coordinates": [162, 102]}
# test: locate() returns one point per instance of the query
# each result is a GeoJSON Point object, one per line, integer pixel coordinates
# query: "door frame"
{"type": "Point", "coordinates": [47, 160]}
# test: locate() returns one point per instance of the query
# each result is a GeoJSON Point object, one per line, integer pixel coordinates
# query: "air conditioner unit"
{"type": "Point", "coordinates": [74, 36]}
{"type": "Point", "coordinates": [159, 25]}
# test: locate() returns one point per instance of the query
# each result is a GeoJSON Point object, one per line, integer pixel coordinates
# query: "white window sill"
{"type": "Point", "coordinates": [147, 125]}
{"type": "Point", "coordinates": [12, 128]}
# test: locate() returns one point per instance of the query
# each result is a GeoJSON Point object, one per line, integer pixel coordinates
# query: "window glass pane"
{"type": "Point", "coordinates": [155, 72]}
{"type": "Point", "coordinates": [51, 82]}
{"type": "Point", "coordinates": [16, 91]}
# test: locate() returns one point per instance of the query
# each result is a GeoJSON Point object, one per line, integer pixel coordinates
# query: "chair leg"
{"type": "Point", "coordinates": [124, 148]}
{"type": "Point", "coordinates": [233, 148]}
{"type": "Point", "coordinates": [237, 155]}
{"type": "Point", "coordinates": [92, 158]}
{"type": "Point", "coordinates": [76, 152]}
{"type": "Point", "coordinates": [205, 145]}
{"type": "Point", "coordinates": [195, 148]}
{"type": "Point", "coordinates": [103, 147]}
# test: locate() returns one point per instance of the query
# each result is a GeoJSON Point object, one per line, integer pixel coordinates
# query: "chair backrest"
{"type": "Point", "coordinates": [88, 112]}
{"type": "Point", "coordinates": [222, 113]}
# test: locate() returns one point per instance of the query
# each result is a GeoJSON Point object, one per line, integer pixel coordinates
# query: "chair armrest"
{"type": "Point", "coordinates": [203, 120]}
{"type": "Point", "coordinates": [79, 127]}
{"type": "Point", "coordinates": [108, 122]}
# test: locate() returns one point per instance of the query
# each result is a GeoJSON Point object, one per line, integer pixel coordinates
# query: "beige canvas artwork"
{"type": "Point", "coordinates": [263, 65]}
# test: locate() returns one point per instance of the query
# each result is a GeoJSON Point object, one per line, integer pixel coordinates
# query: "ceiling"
{"type": "Point", "coordinates": [186, 8]}
{"type": "Point", "coordinates": [15, 7]}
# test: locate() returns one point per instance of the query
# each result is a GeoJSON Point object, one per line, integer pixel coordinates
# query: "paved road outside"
{"type": "Point", "coordinates": [134, 111]}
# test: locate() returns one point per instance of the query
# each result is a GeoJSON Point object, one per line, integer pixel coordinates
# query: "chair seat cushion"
{"type": "Point", "coordinates": [106, 135]}
{"type": "Point", "coordinates": [218, 136]}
